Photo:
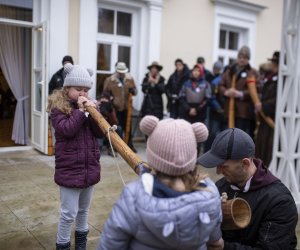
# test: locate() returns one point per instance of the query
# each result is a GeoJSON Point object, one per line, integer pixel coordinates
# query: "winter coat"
{"type": "Point", "coordinates": [142, 221]}
{"type": "Point", "coordinates": [244, 107]}
{"type": "Point", "coordinates": [153, 102]}
{"type": "Point", "coordinates": [119, 90]}
{"type": "Point", "coordinates": [77, 151]}
{"type": "Point", "coordinates": [194, 94]}
{"type": "Point", "coordinates": [57, 80]}
{"type": "Point", "coordinates": [274, 213]}
{"type": "Point", "coordinates": [174, 86]}
{"type": "Point", "coordinates": [265, 134]}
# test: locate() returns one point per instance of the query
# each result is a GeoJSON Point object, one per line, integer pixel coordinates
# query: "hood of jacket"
{"type": "Point", "coordinates": [186, 220]}
{"type": "Point", "coordinates": [262, 177]}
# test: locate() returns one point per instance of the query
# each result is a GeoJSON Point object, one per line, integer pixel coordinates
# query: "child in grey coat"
{"type": "Point", "coordinates": [174, 206]}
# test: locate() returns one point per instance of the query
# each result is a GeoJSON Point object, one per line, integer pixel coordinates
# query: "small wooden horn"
{"type": "Point", "coordinates": [236, 214]}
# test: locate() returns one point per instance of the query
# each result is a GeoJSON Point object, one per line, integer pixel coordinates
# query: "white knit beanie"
{"type": "Point", "coordinates": [172, 144]}
{"type": "Point", "coordinates": [77, 76]}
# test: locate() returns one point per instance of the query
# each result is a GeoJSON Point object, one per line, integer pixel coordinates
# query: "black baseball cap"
{"type": "Point", "coordinates": [230, 144]}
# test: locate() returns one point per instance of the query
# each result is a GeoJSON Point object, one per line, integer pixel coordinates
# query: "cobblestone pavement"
{"type": "Point", "coordinates": [29, 198]}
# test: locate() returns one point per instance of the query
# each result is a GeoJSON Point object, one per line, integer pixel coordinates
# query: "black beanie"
{"type": "Point", "coordinates": [67, 59]}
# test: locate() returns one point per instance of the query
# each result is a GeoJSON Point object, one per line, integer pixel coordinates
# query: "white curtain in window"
{"type": "Point", "coordinates": [15, 64]}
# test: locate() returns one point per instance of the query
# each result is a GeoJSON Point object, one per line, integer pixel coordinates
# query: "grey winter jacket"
{"type": "Point", "coordinates": [143, 222]}
{"type": "Point", "coordinates": [77, 151]}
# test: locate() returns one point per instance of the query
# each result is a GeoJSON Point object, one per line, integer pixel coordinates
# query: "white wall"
{"type": "Point", "coordinates": [187, 32]}
{"type": "Point", "coordinates": [87, 54]}
{"type": "Point", "coordinates": [58, 26]}
{"type": "Point", "coordinates": [269, 27]}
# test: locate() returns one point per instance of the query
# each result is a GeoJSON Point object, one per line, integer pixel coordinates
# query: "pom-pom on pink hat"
{"type": "Point", "coordinates": [172, 144]}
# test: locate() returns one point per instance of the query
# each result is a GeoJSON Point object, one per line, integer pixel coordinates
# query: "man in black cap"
{"type": "Point", "coordinates": [274, 213]}
{"type": "Point", "coordinates": [57, 80]}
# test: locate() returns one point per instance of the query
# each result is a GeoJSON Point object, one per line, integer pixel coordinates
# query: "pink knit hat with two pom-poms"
{"type": "Point", "coordinates": [172, 144]}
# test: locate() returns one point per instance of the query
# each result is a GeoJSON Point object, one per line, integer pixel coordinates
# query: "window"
{"type": "Point", "coordinates": [229, 43]}
{"type": "Point", "coordinates": [103, 57]}
{"type": "Point", "coordinates": [235, 26]}
{"type": "Point", "coordinates": [123, 24]}
{"type": "Point", "coordinates": [18, 10]}
{"type": "Point", "coordinates": [124, 54]}
{"type": "Point", "coordinates": [108, 18]}
{"type": "Point", "coordinates": [106, 21]}
{"type": "Point", "coordinates": [114, 42]}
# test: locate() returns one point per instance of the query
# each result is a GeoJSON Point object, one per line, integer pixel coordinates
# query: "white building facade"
{"type": "Point", "coordinates": [98, 33]}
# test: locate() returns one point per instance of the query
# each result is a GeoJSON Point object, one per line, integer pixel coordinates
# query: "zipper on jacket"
{"type": "Point", "coordinates": [267, 231]}
{"type": "Point", "coordinates": [86, 155]}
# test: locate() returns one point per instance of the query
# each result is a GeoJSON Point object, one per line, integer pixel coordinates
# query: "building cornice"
{"type": "Point", "coordinates": [156, 3]}
{"type": "Point", "coordinates": [240, 4]}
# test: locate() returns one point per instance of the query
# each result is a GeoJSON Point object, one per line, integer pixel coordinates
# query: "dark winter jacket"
{"type": "Point", "coordinates": [274, 213]}
{"type": "Point", "coordinates": [142, 221]}
{"type": "Point", "coordinates": [194, 94]}
{"type": "Point", "coordinates": [174, 85]}
{"type": "Point", "coordinates": [265, 133]}
{"type": "Point", "coordinates": [269, 94]}
{"type": "Point", "coordinates": [153, 102]}
{"type": "Point", "coordinates": [57, 80]}
{"type": "Point", "coordinates": [77, 151]}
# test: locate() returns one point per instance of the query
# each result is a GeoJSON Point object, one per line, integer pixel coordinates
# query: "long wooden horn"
{"type": "Point", "coordinates": [251, 83]}
{"type": "Point", "coordinates": [231, 111]}
{"type": "Point", "coordinates": [127, 154]}
{"type": "Point", "coordinates": [128, 119]}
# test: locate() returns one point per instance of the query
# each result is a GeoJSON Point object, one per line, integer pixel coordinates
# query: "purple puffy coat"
{"type": "Point", "coordinates": [77, 153]}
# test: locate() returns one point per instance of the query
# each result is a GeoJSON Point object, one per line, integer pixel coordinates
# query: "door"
{"type": "Point", "coordinates": [39, 117]}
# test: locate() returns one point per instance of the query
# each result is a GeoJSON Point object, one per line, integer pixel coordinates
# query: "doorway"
{"type": "Point", "coordinates": [15, 65]}
{"type": "Point", "coordinates": [7, 111]}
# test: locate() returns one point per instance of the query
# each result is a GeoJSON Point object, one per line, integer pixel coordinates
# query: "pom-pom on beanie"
{"type": "Point", "coordinates": [172, 144]}
{"type": "Point", "coordinates": [77, 76]}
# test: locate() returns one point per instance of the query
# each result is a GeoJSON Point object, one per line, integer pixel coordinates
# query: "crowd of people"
{"type": "Point", "coordinates": [173, 205]}
{"type": "Point", "coordinates": [236, 95]}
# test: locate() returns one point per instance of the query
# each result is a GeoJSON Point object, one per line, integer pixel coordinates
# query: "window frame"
{"type": "Point", "coordinates": [116, 40]}
{"type": "Point", "coordinates": [238, 17]}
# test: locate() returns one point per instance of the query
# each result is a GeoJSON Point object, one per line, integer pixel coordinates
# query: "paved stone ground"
{"type": "Point", "coordinates": [29, 198]}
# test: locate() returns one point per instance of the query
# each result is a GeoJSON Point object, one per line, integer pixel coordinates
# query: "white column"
{"type": "Point", "coordinates": [58, 25]}
{"type": "Point", "coordinates": [286, 149]}
{"type": "Point", "coordinates": [87, 37]}
{"type": "Point", "coordinates": [154, 30]}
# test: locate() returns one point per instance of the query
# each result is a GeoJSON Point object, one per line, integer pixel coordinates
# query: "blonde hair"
{"type": "Point", "coordinates": [189, 180]}
{"type": "Point", "coordinates": [59, 99]}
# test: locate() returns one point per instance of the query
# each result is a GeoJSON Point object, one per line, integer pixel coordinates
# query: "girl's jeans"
{"type": "Point", "coordinates": [75, 203]}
